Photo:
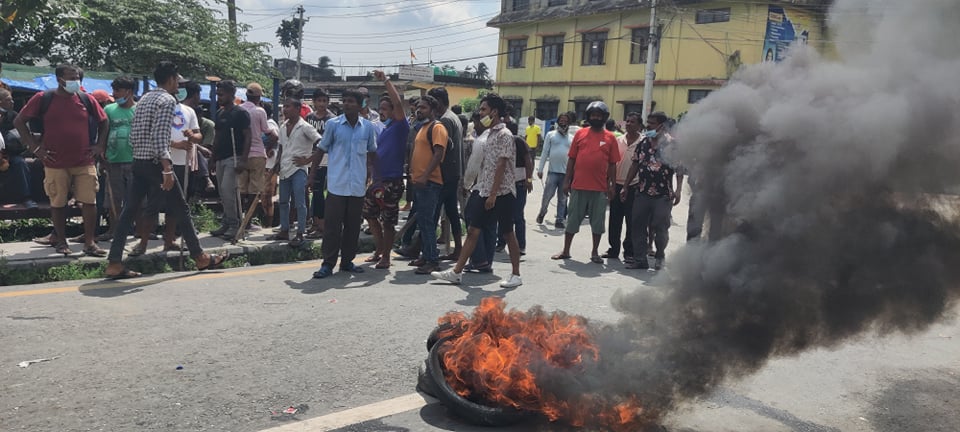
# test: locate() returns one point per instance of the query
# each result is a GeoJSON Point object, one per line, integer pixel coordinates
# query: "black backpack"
{"type": "Point", "coordinates": [37, 124]}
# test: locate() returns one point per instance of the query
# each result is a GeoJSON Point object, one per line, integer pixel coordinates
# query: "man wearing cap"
{"type": "Point", "coordinates": [153, 175]}
{"type": "Point", "coordinates": [251, 179]}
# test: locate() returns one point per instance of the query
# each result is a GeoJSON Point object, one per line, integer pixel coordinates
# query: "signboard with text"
{"type": "Point", "coordinates": [416, 73]}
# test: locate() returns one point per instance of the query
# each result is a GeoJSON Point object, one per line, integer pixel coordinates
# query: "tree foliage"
{"type": "Point", "coordinates": [29, 29]}
{"type": "Point", "coordinates": [327, 73]}
{"type": "Point", "coordinates": [289, 33]}
{"type": "Point", "coordinates": [132, 36]}
{"type": "Point", "coordinates": [482, 71]}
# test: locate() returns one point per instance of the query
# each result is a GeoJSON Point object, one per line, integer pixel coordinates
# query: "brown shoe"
{"type": "Point", "coordinates": [282, 235]}
{"type": "Point", "coordinates": [427, 268]}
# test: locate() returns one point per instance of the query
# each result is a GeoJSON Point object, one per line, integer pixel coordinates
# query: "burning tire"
{"type": "Point", "coordinates": [466, 409]}
{"type": "Point", "coordinates": [442, 331]}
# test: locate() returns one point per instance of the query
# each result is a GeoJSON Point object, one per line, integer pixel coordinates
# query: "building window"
{"type": "Point", "coordinates": [547, 109]}
{"type": "Point", "coordinates": [707, 16]}
{"type": "Point", "coordinates": [580, 107]}
{"type": "Point", "coordinates": [694, 96]}
{"type": "Point", "coordinates": [520, 5]}
{"type": "Point", "coordinates": [639, 42]}
{"type": "Point", "coordinates": [557, 3]}
{"type": "Point", "coordinates": [552, 51]}
{"type": "Point", "coordinates": [516, 52]}
{"type": "Point", "coordinates": [636, 107]}
{"type": "Point", "coordinates": [594, 45]}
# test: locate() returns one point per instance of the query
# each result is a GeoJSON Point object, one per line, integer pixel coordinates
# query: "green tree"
{"type": "Point", "coordinates": [29, 29]}
{"type": "Point", "coordinates": [289, 33]}
{"type": "Point", "coordinates": [327, 73]}
{"type": "Point", "coordinates": [482, 71]}
{"type": "Point", "coordinates": [132, 36]}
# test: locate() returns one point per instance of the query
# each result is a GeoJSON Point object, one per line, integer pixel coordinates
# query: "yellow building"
{"type": "Point", "coordinates": [559, 55]}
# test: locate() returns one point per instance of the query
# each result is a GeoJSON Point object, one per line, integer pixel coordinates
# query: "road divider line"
{"type": "Point", "coordinates": [358, 415]}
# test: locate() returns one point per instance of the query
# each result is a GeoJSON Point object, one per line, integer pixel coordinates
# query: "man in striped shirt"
{"type": "Point", "coordinates": [153, 176]}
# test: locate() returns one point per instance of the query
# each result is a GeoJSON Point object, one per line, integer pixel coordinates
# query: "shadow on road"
{"type": "Point", "coordinates": [915, 405]}
{"type": "Point", "coordinates": [109, 288]}
{"type": "Point", "coordinates": [340, 280]}
{"type": "Point", "coordinates": [729, 398]}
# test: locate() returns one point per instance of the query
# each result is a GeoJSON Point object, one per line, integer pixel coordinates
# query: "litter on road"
{"type": "Point", "coordinates": [24, 364]}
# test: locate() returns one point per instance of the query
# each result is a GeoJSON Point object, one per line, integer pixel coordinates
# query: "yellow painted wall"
{"type": "Point", "coordinates": [688, 51]}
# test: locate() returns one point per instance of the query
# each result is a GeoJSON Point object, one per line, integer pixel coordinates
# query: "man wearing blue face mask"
{"type": "Point", "coordinates": [73, 129]}
{"type": "Point", "coordinates": [119, 152]}
{"type": "Point", "coordinates": [655, 194]}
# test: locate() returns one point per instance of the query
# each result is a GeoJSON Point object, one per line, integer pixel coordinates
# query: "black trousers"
{"type": "Point", "coordinates": [621, 213]}
{"type": "Point", "coordinates": [147, 178]}
{"type": "Point", "coordinates": [341, 230]}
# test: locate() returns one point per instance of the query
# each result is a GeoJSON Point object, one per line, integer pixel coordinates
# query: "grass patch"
{"type": "Point", "coordinates": [24, 230]}
{"type": "Point", "coordinates": [204, 219]}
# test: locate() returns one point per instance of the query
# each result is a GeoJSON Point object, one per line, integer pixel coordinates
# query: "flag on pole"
{"type": "Point", "coordinates": [412, 55]}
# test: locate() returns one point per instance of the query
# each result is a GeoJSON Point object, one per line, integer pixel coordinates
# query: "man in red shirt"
{"type": "Point", "coordinates": [67, 151]}
{"type": "Point", "coordinates": [590, 178]}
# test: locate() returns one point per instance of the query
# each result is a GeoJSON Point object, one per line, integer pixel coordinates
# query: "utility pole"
{"type": "Point", "coordinates": [232, 15]}
{"type": "Point", "coordinates": [300, 41]}
{"type": "Point", "coordinates": [651, 62]}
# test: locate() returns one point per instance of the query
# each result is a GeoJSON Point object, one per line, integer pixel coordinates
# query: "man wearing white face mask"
{"type": "Point", "coordinates": [73, 129]}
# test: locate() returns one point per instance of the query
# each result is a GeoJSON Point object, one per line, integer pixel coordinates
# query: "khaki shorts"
{"type": "Point", "coordinates": [57, 183]}
{"type": "Point", "coordinates": [251, 180]}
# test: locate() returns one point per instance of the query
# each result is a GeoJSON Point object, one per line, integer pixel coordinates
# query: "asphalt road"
{"type": "Point", "coordinates": [255, 340]}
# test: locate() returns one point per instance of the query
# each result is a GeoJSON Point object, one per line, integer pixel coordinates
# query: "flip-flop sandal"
{"type": "Point", "coordinates": [125, 274]}
{"type": "Point", "coordinates": [351, 268]}
{"type": "Point", "coordinates": [560, 256]}
{"type": "Point", "coordinates": [137, 250]}
{"type": "Point", "coordinates": [372, 258]}
{"type": "Point", "coordinates": [215, 261]}
{"type": "Point", "coordinates": [94, 251]}
{"type": "Point", "coordinates": [381, 266]}
{"type": "Point", "coordinates": [62, 248]}
{"type": "Point", "coordinates": [596, 259]}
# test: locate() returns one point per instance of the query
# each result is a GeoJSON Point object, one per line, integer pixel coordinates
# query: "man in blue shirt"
{"type": "Point", "coordinates": [350, 143]}
{"type": "Point", "coordinates": [555, 150]}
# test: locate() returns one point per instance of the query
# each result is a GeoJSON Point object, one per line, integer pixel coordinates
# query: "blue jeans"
{"type": "Point", "coordinates": [427, 198]}
{"type": "Point", "coordinates": [19, 174]}
{"type": "Point", "coordinates": [295, 186]}
{"type": "Point", "coordinates": [554, 186]}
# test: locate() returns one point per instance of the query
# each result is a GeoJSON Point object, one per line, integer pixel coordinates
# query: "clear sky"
{"type": "Point", "coordinates": [363, 34]}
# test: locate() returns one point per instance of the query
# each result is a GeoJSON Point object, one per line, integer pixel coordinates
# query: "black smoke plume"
{"type": "Point", "coordinates": [827, 182]}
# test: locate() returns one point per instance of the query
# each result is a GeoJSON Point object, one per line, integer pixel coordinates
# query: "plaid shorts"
{"type": "Point", "coordinates": [382, 201]}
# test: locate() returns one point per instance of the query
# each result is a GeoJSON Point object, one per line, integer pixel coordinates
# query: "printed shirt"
{"type": "Point", "coordinates": [555, 149]}
{"type": "Point", "coordinates": [299, 142]}
{"type": "Point", "coordinates": [184, 119]}
{"type": "Point", "coordinates": [655, 175]}
{"type": "Point", "coordinates": [594, 152]}
{"type": "Point", "coordinates": [66, 128]}
{"type": "Point", "coordinates": [319, 122]}
{"type": "Point", "coordinates": [347, 147]}
{"type": "Point", "coordinates": [499, 145]}
{"type": "Point", "coordinates": [258, 127]}
{"type": "Point", "coordinates": [119, 149]}
{"type": "Point", "coordinates": [150, 131]}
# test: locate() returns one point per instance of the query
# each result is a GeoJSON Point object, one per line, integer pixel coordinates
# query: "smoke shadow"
{"type": "Point", "coordinates": [731, 399]}
{"type": "Point", "coordinates": [438, 416]}
{"type": "Point", "coordinates": [586, 269]}
{"type": "Point", "coordinates": [927, 404]}
{"type": "Point", "coordinates": [371, 426]}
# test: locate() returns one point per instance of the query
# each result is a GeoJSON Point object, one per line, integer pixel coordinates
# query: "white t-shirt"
{"type": "Point", "coordinates": [271, 161]}
{"type": "Point", "coordinates": [300, 142]}
{"type": "Point", "coordinates": [184, 118]}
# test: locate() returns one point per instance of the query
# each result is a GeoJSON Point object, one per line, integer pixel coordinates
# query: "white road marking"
{"type": "Point", "coordinates": [358, 415]}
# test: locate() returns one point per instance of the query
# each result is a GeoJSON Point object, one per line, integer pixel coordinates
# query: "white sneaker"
{"type": "Point", "coordinates": [449, 276]}
{"type": "Point", "coordinates": [513, 282]}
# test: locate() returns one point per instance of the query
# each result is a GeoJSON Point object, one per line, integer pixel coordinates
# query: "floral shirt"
{"type": "Point", "coordinates": [655, 176]}
{"type": "Point", "coordinates": [500, 144]}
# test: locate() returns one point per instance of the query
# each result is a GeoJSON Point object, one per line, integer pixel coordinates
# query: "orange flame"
{"type": "Point", "coordinates": [494, 357]}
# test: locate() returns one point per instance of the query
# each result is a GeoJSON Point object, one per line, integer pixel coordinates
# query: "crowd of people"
{"type": "Point", "coordinates": [155, 153]}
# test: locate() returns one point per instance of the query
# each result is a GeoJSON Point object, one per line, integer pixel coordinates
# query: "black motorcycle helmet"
{"type": "Point", "coordinates": [291, 88]}
{"type": "Point", "coordinates": [597, 106]}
